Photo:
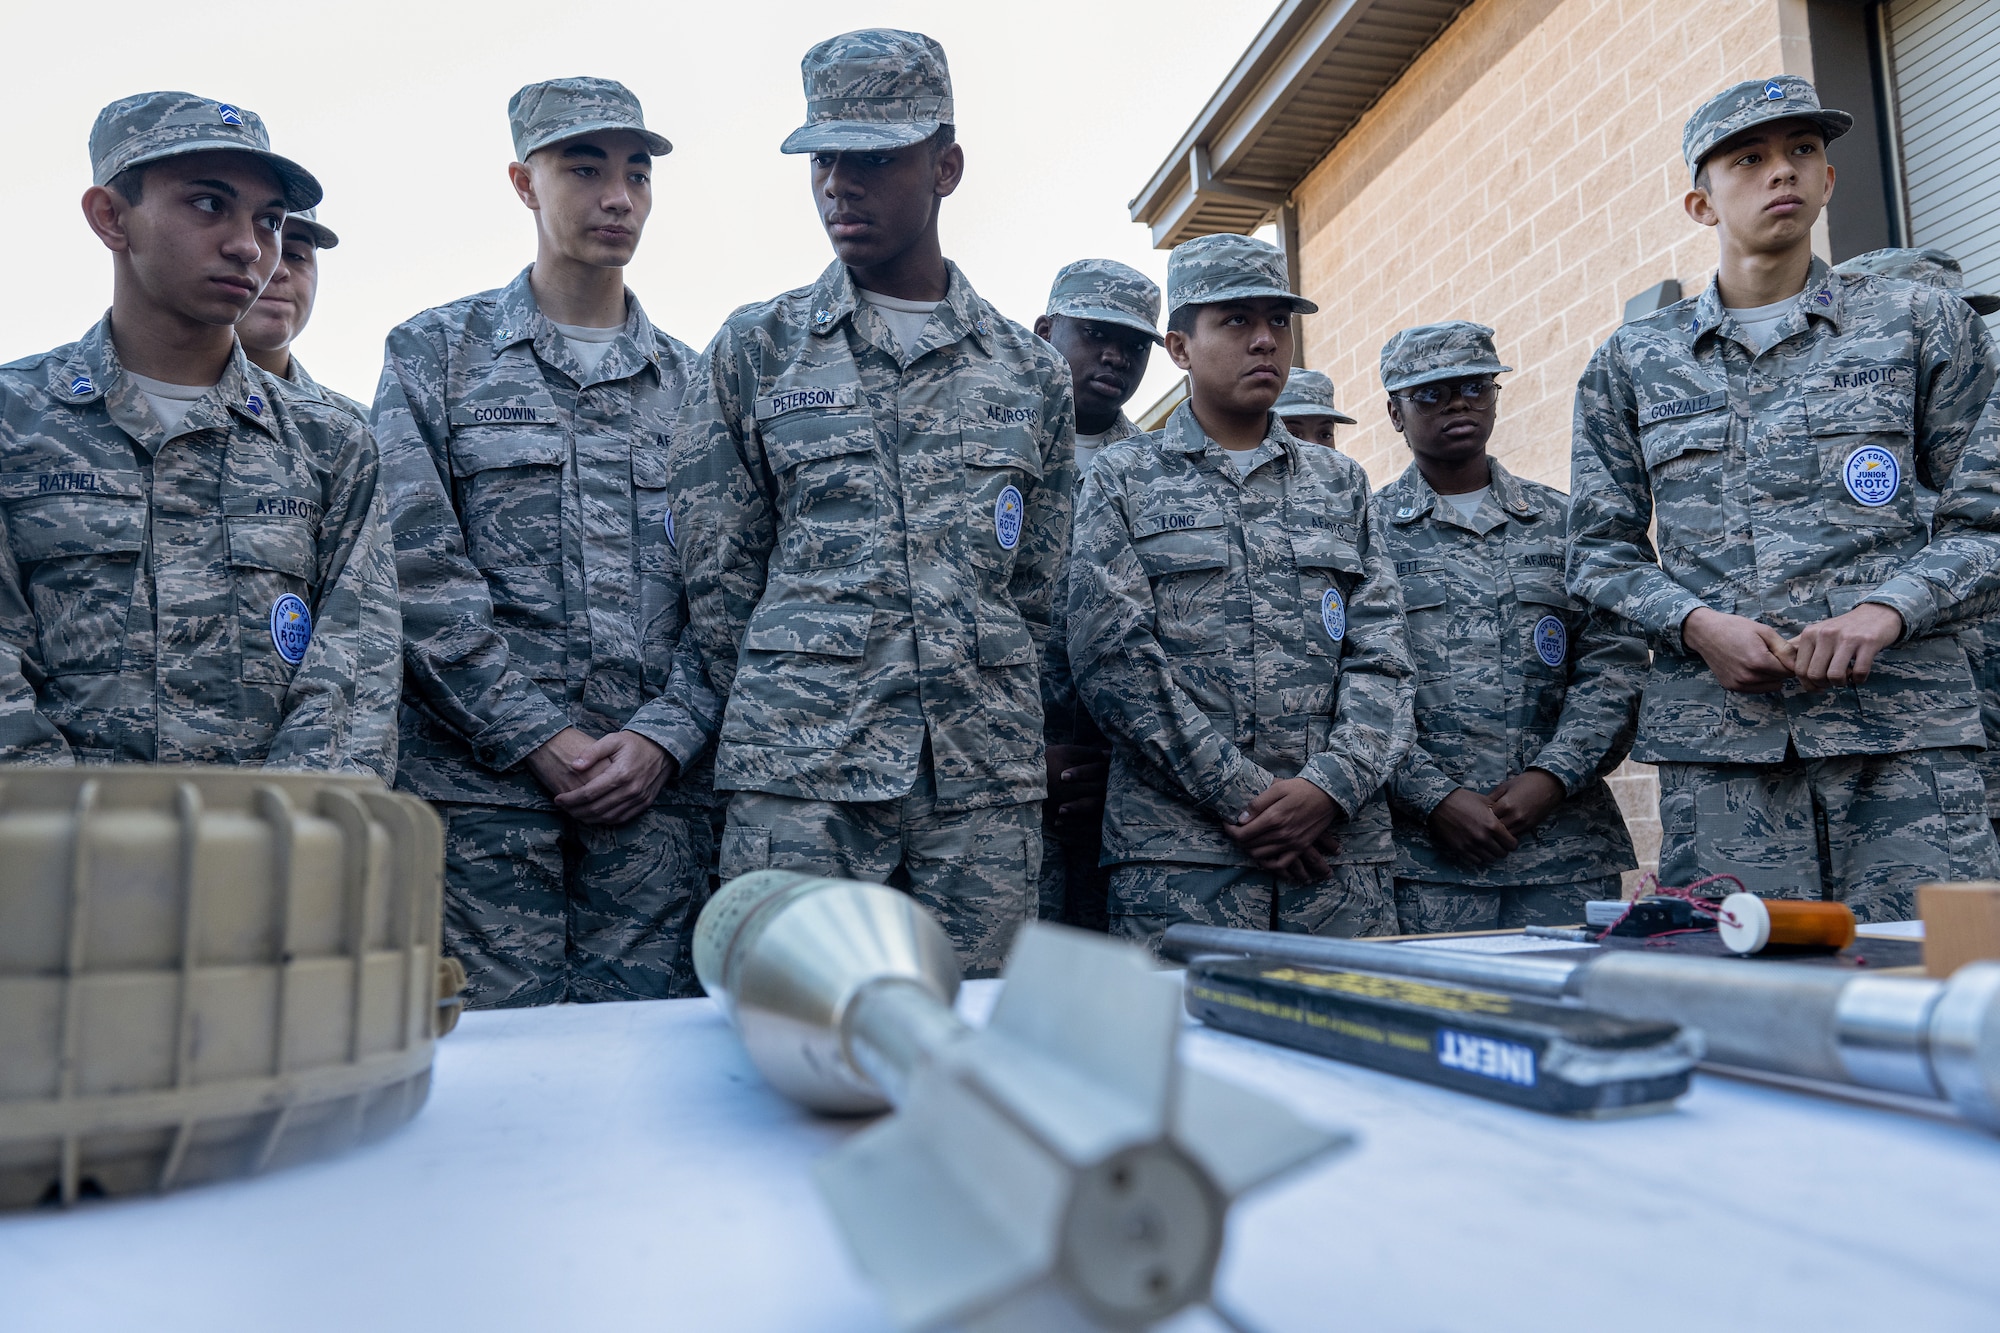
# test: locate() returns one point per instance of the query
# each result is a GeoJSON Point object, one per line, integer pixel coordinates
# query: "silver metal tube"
{"type": "Point", "coordinates": [1902, 1034]}
{"type": "Point", "coordinates": [1542, 977]}
{"type": "Point", "coordinates": [894, 1025]}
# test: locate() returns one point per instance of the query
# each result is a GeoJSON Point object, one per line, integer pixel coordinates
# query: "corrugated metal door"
{"type": "Point", "coordinates": [1945, 54]}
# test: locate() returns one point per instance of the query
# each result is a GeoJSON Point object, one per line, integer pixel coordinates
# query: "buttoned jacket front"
{"type": "Point", "coordinates": [1789, 486]}
{"type": "Point", "coordinates": [218, 593]}
{"type": "Point", "coordinates": [871, 537]}
{"type": "Point", "coordinates": [1513, 673]}
{"type": "Point", "coordinates": [1228, 631]}
{"type": "Point", "coordinates": [529, 503]}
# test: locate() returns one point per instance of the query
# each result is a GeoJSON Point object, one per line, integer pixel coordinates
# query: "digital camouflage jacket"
{"type": "Point", "coordinates": [529, 504]}
{"type": "Point", "coordinates": [871, 540]}
{"type": "Point", "coordinates": [220, 594]}
{"type": "Point", "coordinates": [1513, 673]}
{"type": "Point", "coordinates": [1228, 631]}
{"type": "Point", "coordinates": [1785, 488]}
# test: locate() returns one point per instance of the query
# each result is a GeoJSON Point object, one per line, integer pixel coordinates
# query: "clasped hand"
{"type": "Point", "coordinates": [1287, 830]}
{"type": "Point", "coordinates": [1479, 828]}
{"type": "Point", "coordinates": [1752, 658]}
{"type": "Point", "coordinates": [604, 781]}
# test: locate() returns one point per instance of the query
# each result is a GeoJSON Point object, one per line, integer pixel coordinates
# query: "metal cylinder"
{"type": "Point", "coordinates": [1761, 1015]}
{"type": "Point", "coordinates": [1542, 977]}
{"type": "Point", "coordinates": [786, 955]}
{"type": "Point", "coordinates": [1900, 1034]}
{"type": "Point", "coordinates": [892, 1026]}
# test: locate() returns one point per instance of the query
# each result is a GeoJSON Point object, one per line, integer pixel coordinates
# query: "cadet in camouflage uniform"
{"type": "Point", "coordinates": [548, 709]}
{"type": "Point", "coordinates": [1306, 407]}
{"type": "Point", "coordinates": [872, 485]}
{"type": "Point", "coordinates": [1813, 728]}
{"type": "Point", "coordinates": [194, 565]}
{"type": "Point", "coordinates": [1102, 317]}
{"type": "Point", "coordinates": [1526, 697]}
{"type": "Point", "coordinates": [1976, 622]}
{"type": "Point", "coordinates": [285, 307]}
{"type": "Point", "coordinates": [1235, 628]}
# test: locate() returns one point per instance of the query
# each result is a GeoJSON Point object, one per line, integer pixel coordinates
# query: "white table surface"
{"type": "Point", "coordinates": [620, 1166]}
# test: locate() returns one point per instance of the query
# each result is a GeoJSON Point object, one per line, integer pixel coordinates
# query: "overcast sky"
{"type": "Point", "coordinates": [401, 110]}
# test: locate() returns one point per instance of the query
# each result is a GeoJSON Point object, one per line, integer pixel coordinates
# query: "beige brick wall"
{"type": "Point", "coordinates": [1525, 173]}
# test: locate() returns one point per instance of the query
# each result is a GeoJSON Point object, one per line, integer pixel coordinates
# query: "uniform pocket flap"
{"type": "Point", "coordinates": [484, 447]}
{"type": "Point", "coordinates": [1867, 400]}
{"type": "Point", "coordinates": [1324, 550]}
{"type": "Point", "coordinates": [1010, 449]}
{"type": "Point", "coordinates": [284, 546]}
{"type": "Point", "coordinates": [805, 437]}
{"type": "Point", "coordinates": [1005, 645]}
{"type": "Point", "coordinates": [1543, 593]}
{"type": "Point", "coordinates": [793, 627]}
{"type": "Point", "coordinates": [1960, 790]}
{"type": "Point", "coordinates": [1422, 594]}
{"type": "Point", "coordinates": [649, 469]}
{"type": "Point", "coordinates": [1183, 551]}
{"type": "Point", "coordinates": [81, 524]}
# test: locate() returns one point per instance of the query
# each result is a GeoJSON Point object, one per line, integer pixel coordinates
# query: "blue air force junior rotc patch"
{"type": "Point", "coordinates": [1333, 614]}
{"type": "Point", "coordinates": [291, 628]}
{"type": "Point", "coordinates": [1551, 641]}
{"type": "Point", "coordinates": [1872, 475]}
{"type": "Point", "coordinates": [1007, 512]}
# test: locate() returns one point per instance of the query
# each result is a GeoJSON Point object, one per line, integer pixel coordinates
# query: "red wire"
{"type": "Point", "coordinates": [1709, 907]}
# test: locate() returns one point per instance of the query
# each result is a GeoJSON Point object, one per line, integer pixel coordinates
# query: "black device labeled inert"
{"type": "Point", "coordinates": [1546, 1057]}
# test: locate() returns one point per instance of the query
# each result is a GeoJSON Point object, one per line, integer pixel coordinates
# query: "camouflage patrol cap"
{"type": "Point", "coordinates": [1310, 394]}
{"type": "Point", "coordinates": [151, 127]}
{"type": "Point", "coordinates": [876, 88]}
{"type": "Point", "coordinates": [321, 235]}
{"type": "Point", "coordinates": [1932, 267]}
{"type": "Point", "coordinates": [1228, 267]}
{"type": "Point", "coordinates": [1736, 109]}
{"type": "Point", "coordinates": [1454, 350]}
{"type": "Point", "coordinates": [558, 109]}
{"type": "Point", "coordinates": [1108, 292]}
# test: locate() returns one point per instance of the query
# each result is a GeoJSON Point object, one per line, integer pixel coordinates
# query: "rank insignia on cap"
{"type": "Point", "coordinates": [1774, 91]}
{"type": "Point", "coordinates": [254, 405]}
{"type": "Point", "coordinates": [230, 115]}
{"type": "Point", "coordinates": [81, 386]}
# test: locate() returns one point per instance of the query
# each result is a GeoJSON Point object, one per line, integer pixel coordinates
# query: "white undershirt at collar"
{"type": "Point", "coordinates": [170, 402]}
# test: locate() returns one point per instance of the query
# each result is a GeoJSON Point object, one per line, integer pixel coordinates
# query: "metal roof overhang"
{"type": "Point", "coordinates": [1312, 71]}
